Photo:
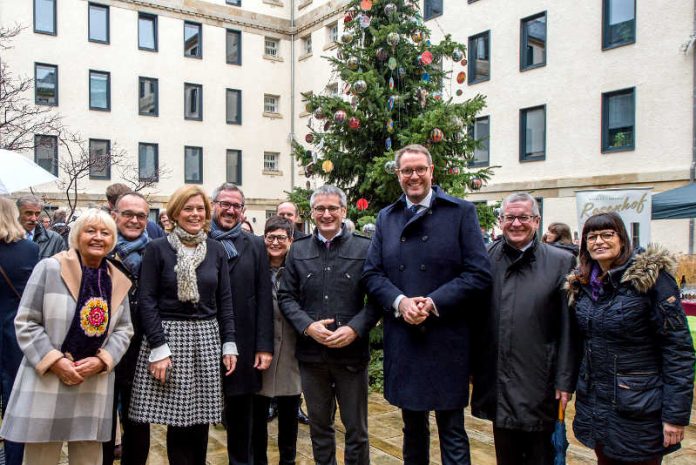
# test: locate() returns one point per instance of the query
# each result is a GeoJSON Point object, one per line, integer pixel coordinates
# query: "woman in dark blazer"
{"type": "Point", "coordinates": [18, 257]}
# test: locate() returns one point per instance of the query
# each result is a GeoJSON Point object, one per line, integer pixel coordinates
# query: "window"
{"type": "Point", "coordinates": [480, 132]}
{"type": "Point", "coordinates": [193, 102]}
{"type": "Point", "coordinates": [45, 84]}
{"type": "Point", "coordinates": [618, 23]}
{"type": "Point", "coordinates": [271, 46]}
{"type": "Point", "coordinates": [193, 165]}
{"type": "Point", "coordinates": [270, 103]}
{"type": "Point", "coordinates": [46, 153]}
{"type": "Point", "coordinates": [45, 16]}
{"type": "Point", "coordinates": [99, 159]}
{"type": "Point", "coordinates": [618, 120]}
{"type": "Point", "coordinates": [234, 167]}
{"type": "Point", "coordinates": [479, 57]}
{"type": "Point", "coordinates": [193, 40]}
{"type": "Point", "coordinates": [234, 106]}
{"type": "Point", "coordinates": [148, 96]}
{"type": "Point", "coordinates": [270, 161]}
{"type": "Point", "coordinates": [533, 41]}
{"type": "Point", "coordinates": [99, 90]}
{"type": "Point", "coordinates": [332, 33]}
{"type": "Point", "coordinates": [432, 8]}
{"type": "Point", "coordinates": [533, 133]}
{"type": "Point", "coordinates": [98, 23]}
{"type": "Point", "coordinates": [234, 47]}
{"type": "Point", "coordinates": [148, 162]}
{"type": "Point", "coordinates": [147, 32]}
{"type": "Point", "coordinates": [307, 44]}
{"type": "Point", "coordinates": [234, 2]}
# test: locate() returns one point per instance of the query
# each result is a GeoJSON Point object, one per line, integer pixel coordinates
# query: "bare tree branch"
{"type": "Point", "coordinates": [130, 174]}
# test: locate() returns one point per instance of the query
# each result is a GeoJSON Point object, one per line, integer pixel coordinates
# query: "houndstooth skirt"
{"type": "Point", "coordinates": [193, 393]}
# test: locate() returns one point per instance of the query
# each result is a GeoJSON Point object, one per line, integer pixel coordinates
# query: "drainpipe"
{"type": "Point", "coordinates": [293, 35]}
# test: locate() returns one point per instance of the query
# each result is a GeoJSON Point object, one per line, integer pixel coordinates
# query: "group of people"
{"type": "Point", "coordinates": [208, 323]}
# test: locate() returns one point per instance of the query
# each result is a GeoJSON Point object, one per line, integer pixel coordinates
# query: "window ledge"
{"type": "Point", "coordinates": [273, 2]}
{"type": "Point", "coordinates": [272, 58]}
{"type": "Point", "coordinates": [305, 56]}
{"type": "Point", "coordinates": [304, 4]}
{"type": "Point", "coordinates": [330, 46]}
{"type": "Point", "coordinates": [272, 115]}
{"type": "Point", "coordinates": [272, 173]}
{"type": "Point", "coordinates": [304, 114]}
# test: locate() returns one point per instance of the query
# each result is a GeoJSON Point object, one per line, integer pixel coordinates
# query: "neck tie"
{"type": "Point", "coordinates": [414, 209]}
{"type": "Point", "coordinates": [327, 244]}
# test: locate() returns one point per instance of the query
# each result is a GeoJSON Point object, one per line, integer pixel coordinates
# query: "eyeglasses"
{"type": "Point", "coordinates": [130, 215]}
{"type": "Point", "coordinates": [227, 205]}
{"type": "Point", "coordinates": [408, 172]}
{"type": "Point", "coordinates": [320, 210]}
{"type": "Point", "coordinates": [524, 219]}
{"type": "Point", "coordinates": [606, 236]}
{"type": "Point", "coordinates": [271, 238]}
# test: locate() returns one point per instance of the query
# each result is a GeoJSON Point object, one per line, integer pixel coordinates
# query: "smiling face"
{"type": "Point", "coordinates": [328, 214]}
{"type": "Point", "coordinates": [228, 209]}
{"type": "Point", "coordinates": [95, 241]}
{"type": "Point", "coordinates": [415, 186]}
{"type": "Point", "coordinates": [191, 218]}
{"type": "Point", "coordinates": [277, 244]}
{"type": "Point", "coordinates": [520, 231]}
{"type": "Point", "coordinates": [130, 215]}
{"type": "Point", "coordinates": [604, 247]}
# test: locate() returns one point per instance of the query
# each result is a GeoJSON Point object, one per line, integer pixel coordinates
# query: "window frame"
{"type": "Point", "coordinates": [239, 46]}
{"type": "Point", "coordinates": [200, 101]}
{"type": "Point", "coordinates": [238, 92]}
{"type": "Point", "coordinates": [155, 31]}
{"type": "Point", "coordinates": [108, 90]}
{"type": "Point", "coordinates": [141, 145]}
{"type": "Point", "coordinates": [107, 176]}
{"type": "Point", "coordinates": [428, 12]}
{"type": "Point", "coordinates": [106, 8]}
{"type": "Point", "coordinates": [156, 81]}
{"type": "Point", "coordinates": [605, 27]}
{"type": "Point", "coordinates": [523, 157]}
{"type": "Point", "coordinates": [471, 65]}
{"type": "Point", "coordinates": [605, 147]}
{"type": "Point", "coordinates": [330, 39]}
{"type": "Point", "coordinates": [276, 99]}
{"type": "Point", "coordinates": [307, 40]}
{"type": "Point", "coordinates": [472, 133]}
{"type": "Point", "coordinates": [277, 162]}
{"type": "Point", "coordinates": [238, 179]}
{"type": "Point", "coordinates": [266, 41]}
{"type": "Point", "coordinates": [233, 2]}
{"type": "Point", "coordinates": [199, 56]}
{"type": "Point", "coordinates": [524, 38]}
{"type": "Point", "coordinates": [55, 19]}
{"type": "Point", "coordinates": [36, 87]}
{"type": "Point", "coordinates": [200, 164]}
{"type": "Point", "coordinates": [54, 172]}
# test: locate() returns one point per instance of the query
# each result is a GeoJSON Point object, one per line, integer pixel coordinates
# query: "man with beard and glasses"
{"type": "Point", "coordinates": [250, 279]}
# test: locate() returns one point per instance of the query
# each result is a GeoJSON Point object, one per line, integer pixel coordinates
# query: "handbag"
{"type": "Point", "coordinates": [9, 283]}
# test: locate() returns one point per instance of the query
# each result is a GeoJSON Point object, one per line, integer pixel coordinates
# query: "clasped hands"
{"type": "Point", "coordinates": [415, 310]}
{"type": "Point", "coordinates": [342, 337]}
{"type": "Point", "coordinates": [72, 373]}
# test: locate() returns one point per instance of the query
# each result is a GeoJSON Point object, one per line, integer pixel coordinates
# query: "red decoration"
{"type": "Point", "coordinates": [436, 135]}
{"type": "Point", "coordinates": [461, 76]}
{"type": "Point", "coordinates": [362, 204]}
{"type": "Point", "coordinates": [354, 123]}
{"type": "Point", "coordinates": [348, 17]}
{"type": "Point", "coordinates": [309, 138]}
{"type": "Point", "coordinates": [426, 57]}
{"type": "Point", "coordinates": [476, 184]}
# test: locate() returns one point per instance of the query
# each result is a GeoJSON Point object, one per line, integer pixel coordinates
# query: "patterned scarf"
{"type": "Point", "coordinates": [226, 237]}
{"type": "Point", "coordinates": [91, 320]}
{"type": "Point", "coordinates": [131, 252]}
{"type": "Point", "coordinates": [596, 284]}
{"type": "Point", "coordinates": [186, 263]}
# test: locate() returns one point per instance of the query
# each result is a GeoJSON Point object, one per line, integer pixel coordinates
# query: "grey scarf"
{"type": "Point", "coordinates": [186, 264]}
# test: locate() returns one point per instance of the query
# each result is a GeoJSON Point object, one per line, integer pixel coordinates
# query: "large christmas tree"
{"type": "Point", "coordinates": [393, 77]}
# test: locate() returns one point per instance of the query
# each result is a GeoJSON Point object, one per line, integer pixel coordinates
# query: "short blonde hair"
{"type": "Point", "coordinates": [11, 229]}
{"type": "Point", "coordinates": [183, 195]}
{"type": "Point", "coordinates": [90, 217]}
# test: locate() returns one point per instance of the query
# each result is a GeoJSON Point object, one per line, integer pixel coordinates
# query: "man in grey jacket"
{"type": "Point", "coordinates": [49, 242]}
{"type": "Point", "coordinates": [528, 362]}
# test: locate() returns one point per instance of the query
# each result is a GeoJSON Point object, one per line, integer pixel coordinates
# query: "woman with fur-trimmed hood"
{"type": "Point", "coordinates": [636, 380]}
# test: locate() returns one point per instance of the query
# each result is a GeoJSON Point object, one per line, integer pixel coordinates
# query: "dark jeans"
{"type": "Point", "coordinates": [324, 384]}
{"type": "Point", "coordinates": [10, 359]}
{"type": "Point", "coordinates": [187, 445]}
{"type": "Point", "coordinates": [239, 423]}
{"type": "Point", "coordinates": [516, 447]}
{"type": "Point", "coordinates": [454, 442]}
{"type": "Point", "coordinates": [287, 429]}
{"type": "Point", "coordinates": [135, 441]}
{"type": "Point", "coordinates": [604, 460]}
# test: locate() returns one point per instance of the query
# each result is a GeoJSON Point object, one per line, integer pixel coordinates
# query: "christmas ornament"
{"type": "Point", "coordinates": [391, 64]}
{"type": "Point", "coordinates": [348, 17]}
{"type": "Point", "coordinates": [417, 36]}
{"type": "Point", "coordinates": [319, 113]}
{"type": "Point", "coordinates": [353, 63]}
{"type": "Point", "coordinates": [309, 170]}
{"type": "Point", "coordinates": [327, 125]}
{"type": "Point", "coordinates": [425, 77]}
{"type": "Point", "coordinates": [391, 102]}
{"type": "Point", "coordinates": [366, 5]}
{"type": "Point", "coordinates": [426, 58]}
{"type": "Point", "coordinates": [464, 62]}
{"type": "Point", "coordinates": [390, 167]}
{"type": "Point", "coordinates": [364, 21]}
{"type": "Point", "coordinates": [393, 39]}
{"type": "Point", "coordinates": [308, 107]}
{"type": "Point", "coordinates": [354, 123]}
{"type": "Point", "coordinates": [362, 204]}
{"type": "Point", "coordinates": [422, 95]}
{"type": "Point", "coordinates": [461, 77]}
{"type": "Point", "coordinates": [427, 43]}
{"type": "Point", "coordinates": [347, 37]}
{"type": "Point", "coordinates": [459, 92]}
{"type": "Point", "coordinates": [389, 9]}
{"type": "Point", "coordinates": [391, 83]}
{"type": "Point", "coordinates": [382, 54]}
{"type": "Point", "coordinates": [401, 73]}
{"type": "Point", "coordinates": [437, 96]}
{"type": "Point", "coordinates": [457, 54]}
{"type": "Point", "coordinates": [453, 170]}
{"type": "Point", "coordinates": [436, 135]}
{"type": "Point", "coordinates": [388, 143]}
{"type": "Point", "coordinates": [476, 184]}
{"type": "Point", "coordinates": [327, 166]}
{"type": "Point", "coordinates": [390, 126]}
{"type": "Point", "coordinates": [340, 116]}
{"type": "Point", "coordinates": [359, 87]}
{"type": "Point", "coordinates": [309, 138]}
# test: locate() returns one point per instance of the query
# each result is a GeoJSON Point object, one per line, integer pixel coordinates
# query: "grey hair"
{"type": "Point", "coordinates": [29, 200]}
{"type": "Point", "coordinates": [92, 216]}
{"type": "Point", "coordinates": [412, 148]}
{"type": "Point", "coordinates": [226, 186]}
{"type": "Point", "coordinates": [521, 197]}
{"type": "Point", "coordinates": [327, 189]}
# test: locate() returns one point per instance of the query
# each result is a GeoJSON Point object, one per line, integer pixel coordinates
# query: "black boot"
{"type": "Point", "coordinates": [301, 416]}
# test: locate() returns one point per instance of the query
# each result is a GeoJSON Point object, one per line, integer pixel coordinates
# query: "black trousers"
{"type": "Point", "coordinates": [239, 423]}
{"type": "Point", "coordinates": [324, 384]}
{"type": "Point", "coordinates": [516, 447]}
{"type": "Point", "coordinates": [454, 442]}
{"type": "Point", "coordinates": [287, 429]}
{"type": "Point", "coordinates": [135, 441]}
{"type": "Point", "coordinates": [187, 445]}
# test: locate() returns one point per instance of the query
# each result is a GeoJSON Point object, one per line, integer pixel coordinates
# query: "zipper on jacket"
{"type": "Point", "coordinates": [615, 381]}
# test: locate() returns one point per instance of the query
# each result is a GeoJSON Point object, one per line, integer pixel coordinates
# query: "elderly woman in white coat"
{"type": "Point", "coordinates": [73, 325]}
